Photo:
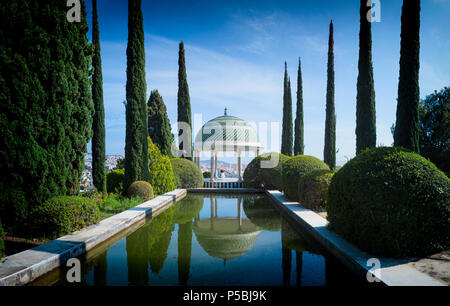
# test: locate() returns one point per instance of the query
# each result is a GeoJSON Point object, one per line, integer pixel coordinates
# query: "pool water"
{"type": "Point", "coordinates": [211, 240]}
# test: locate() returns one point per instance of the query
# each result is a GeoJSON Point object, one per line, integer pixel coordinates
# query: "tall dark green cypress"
{"type": "Point", "coordinates": [159, 128]}
{"type": "Point", "coordinates": [299, 144]}
{"type": "Point", "coordinates": [46, 104]}
{"type": "Point", "coordinates": [329, 151]}
{"type": "Point", "coordinates": [366, 133]}
{"type": "Point", "coordinates": [136, 146]}
{"type": "Point", "coordinates": [286, 137]}
{"type": "Point", "coordinates": [407, 124]}
{"type": "Point", "coordinates": [184, 105]}
{"type": "Point", "coordinates": [98, 124]}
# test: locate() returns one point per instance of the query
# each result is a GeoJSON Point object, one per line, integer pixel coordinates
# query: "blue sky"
{"type": "Point", "coordinates": [235, 53]}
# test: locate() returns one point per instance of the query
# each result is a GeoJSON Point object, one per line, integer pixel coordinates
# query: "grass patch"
{"type": "Point", "coordinates": [114, 204]}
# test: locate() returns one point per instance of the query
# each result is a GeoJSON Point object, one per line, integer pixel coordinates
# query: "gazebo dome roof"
{"type": "Point", "coordinates": [227, 133]}
{"type": "Point", "coordinates": [224, 238]}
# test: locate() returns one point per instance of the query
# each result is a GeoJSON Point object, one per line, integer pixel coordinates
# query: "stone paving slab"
{"type": "Point", "coordinates": [393, 272]}
{"type": "Point", "coordinates": [24, 267]}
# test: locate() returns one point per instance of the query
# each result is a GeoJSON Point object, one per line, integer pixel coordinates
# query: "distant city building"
{"type": "Point", "coordinates": [86, 177]}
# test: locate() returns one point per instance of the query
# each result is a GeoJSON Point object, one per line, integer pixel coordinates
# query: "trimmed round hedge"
{"type": "Point", "coordinates": [141, 189]}
{"type": "Point", "coordinates": [114, 180]}
{"type": "Point", "coordinates": [267, 175]}
{"type": "Point", "coordinates": [391, 202]}
{"type": "Point", "coordinates": [312, 189]}
{"type": "Point", "coordinates": [63, 215]}
{"type": "Point", "coordinates": [292, 171]}
{"type": "Point", "coordinates": [187, 174]}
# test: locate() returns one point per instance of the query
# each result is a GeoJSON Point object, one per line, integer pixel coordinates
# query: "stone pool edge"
{"type": "Point", "coordinates": [24, 267]}
{"type": "Point", "coordinates": [393, 272]}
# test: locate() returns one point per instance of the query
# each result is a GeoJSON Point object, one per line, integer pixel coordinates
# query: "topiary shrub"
{"type": "Point", "coordinates": [140, 189]}
{"type": "Point", "coordinates": [187, 174]}
{"type": "Point", "coordinates": [256, 176]}
{"type": "Point", "coordinates": [2, 244]}
{"type": "Point", "coordinates": [160, 168]}
{"type": "Point", "coordinates": [292, 171]}
{"type": "Point", "coordinates": [63, 215]}
{"type": "Point", "coordinates": [391, 202]}
{"type": "Point", "coordinates": [114, 180]}
{"type": "Point", "coordinates": [312, 189]}
{"type": "Point", "coordinates": [206, 174]}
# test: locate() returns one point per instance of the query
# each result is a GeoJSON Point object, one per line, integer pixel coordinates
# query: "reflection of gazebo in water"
{"type": "Point", "coordinates": [225, 237]}
{"type": "Point", "coordinates": [225, 134]}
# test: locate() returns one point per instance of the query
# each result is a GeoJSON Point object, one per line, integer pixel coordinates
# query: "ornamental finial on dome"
{"type": "Point", "coordinates": [225, 111]}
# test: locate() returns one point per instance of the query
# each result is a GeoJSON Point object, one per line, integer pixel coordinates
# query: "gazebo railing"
{"type": "Point", "coordinates": [223, 184]}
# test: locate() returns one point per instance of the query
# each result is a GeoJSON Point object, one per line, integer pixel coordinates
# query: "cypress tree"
{"type": "Point", "coordinates": [184, 105]}
{"type": "Point", "coordinates": [407, 124]}
{"type": "Point", "coordinates": [366, 134]}
{"type": "Point", "coordinates": [329, 152]}
{"type": "Point", "coordinates": [159, 128]}
{"type": "Point", "coordinates": [45, 104]}
{"type": "Point", "coordinates": [136, 146]}
{"type": "Point", "coordinates": [98, 125]}
{"type": "Point", "coordinates": [286, 137]}
{"type": "Point", "coordinates": [299, 131]}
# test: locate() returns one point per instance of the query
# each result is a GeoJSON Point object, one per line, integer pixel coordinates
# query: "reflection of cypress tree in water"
{"type": "Point", "coordinates": [100, 268]}
{"type": "Point", "coordinates": [137, 257]}
{"type": "Point", "coordinates": [158, 252]}
{"type": "Point", "coordinates": [286, 264]}
{"type": "Point", "coordinates": [184, 252]}
{"type": "Point", "coordinates": [299, 266]}
{"type": "Point", "coordinates": [293, 241]}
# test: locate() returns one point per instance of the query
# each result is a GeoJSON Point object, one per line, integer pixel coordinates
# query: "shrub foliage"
{"type": "Point", "coordinates": [391, 202]}
{"type": "Point", "coordinates": [256, 176]}
{"type": "Point", "coordinates": [294, 168]}
{"type": "Point", "coordinates": [312, 189]}
{"type": "Point", "coordinates": [160, 168]}
{"type": "Point", "coordinates": [187, 174]}
{"type": "Point", "coordinates": [114, 180]}
{"type": "Point", "coordinates": [63, 215]}
{"type": "Point", "coordinates": [46, 106]}
{"type": "Point", "coordinates": [140, 189]}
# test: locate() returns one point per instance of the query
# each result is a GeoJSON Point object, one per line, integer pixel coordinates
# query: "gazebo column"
{"type": "Point", "coordinates": [239, 165]}
{"type": "Point", "coordinates": [212, 165]}
{"type": "Point", "coordinates": [215, 165]}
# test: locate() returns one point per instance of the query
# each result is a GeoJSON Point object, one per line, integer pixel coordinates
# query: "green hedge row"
{"type": "Point", "coordinates": [391, 202]}
{"type": "Point", "coordinates": [293, 170]}
{"type": "Point", "coordinates": [264, 171]}
{"type": "Point", "coordinates": [187, 173]}
{"type": "Point", "coordinates": [312, 189]}
{"type": "Point", "coordinates": [63, 215]}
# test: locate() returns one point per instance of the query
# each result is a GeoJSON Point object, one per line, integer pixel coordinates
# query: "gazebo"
{"type": "Point", "coordinates": [225, 237]}
{"type": "Point", "coordinates": [226, 134]}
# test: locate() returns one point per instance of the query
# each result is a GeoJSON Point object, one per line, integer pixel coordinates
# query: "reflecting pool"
{"type": "Point", "coordinates": [210, 240]}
